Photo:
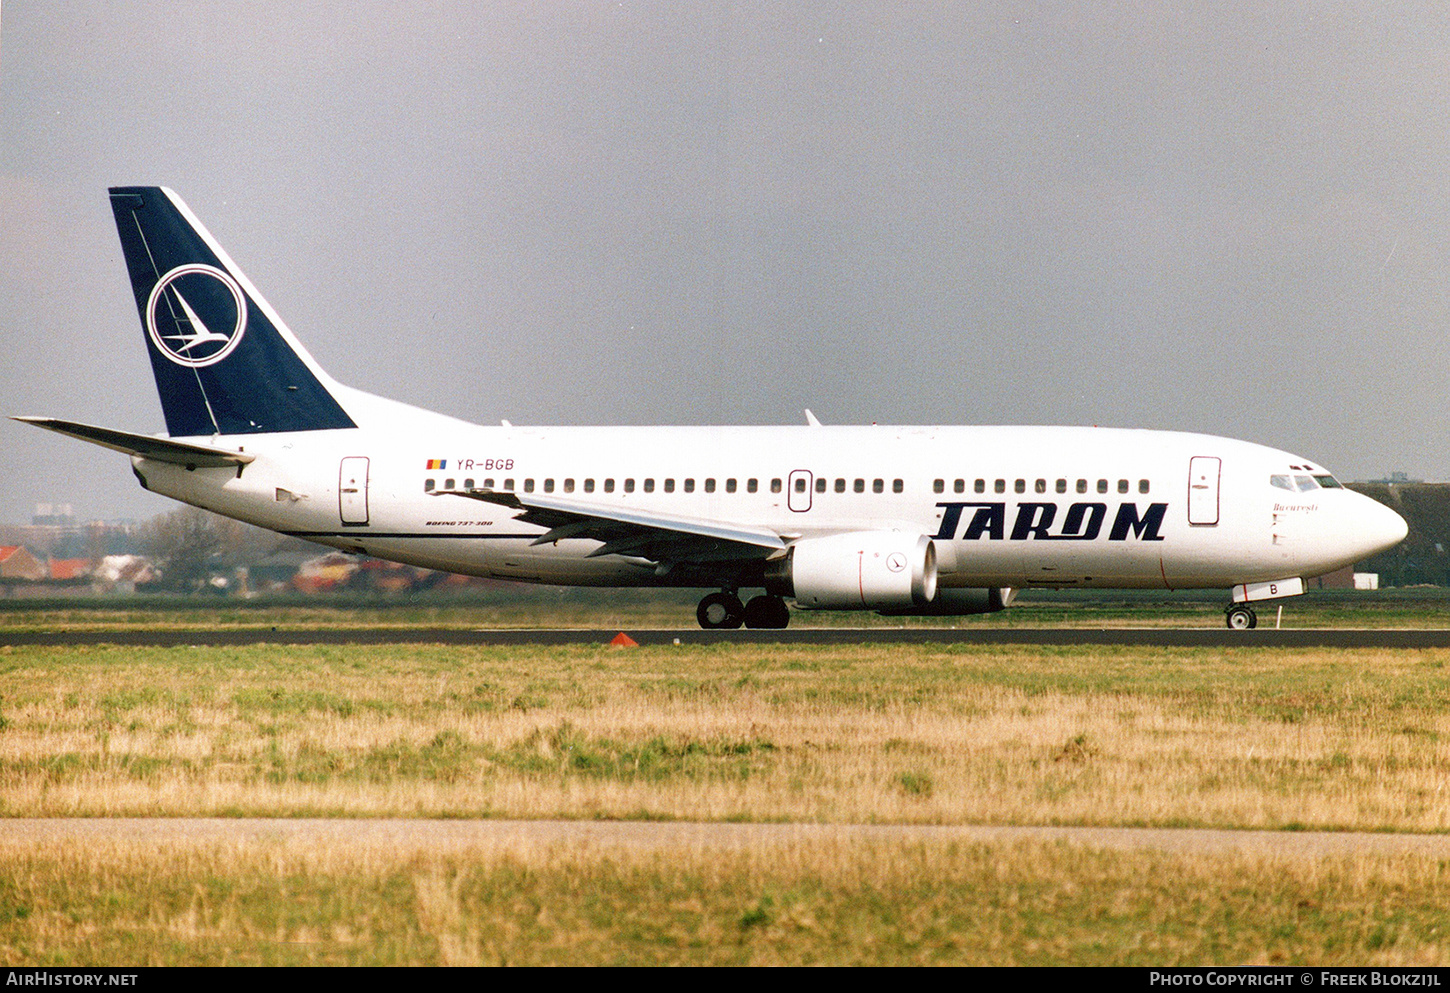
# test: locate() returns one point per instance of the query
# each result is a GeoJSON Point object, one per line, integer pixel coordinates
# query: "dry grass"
{"type": "Point", "coordinates": [826, 902]}
{"type": "Point", "coordinates": [1351, 739]}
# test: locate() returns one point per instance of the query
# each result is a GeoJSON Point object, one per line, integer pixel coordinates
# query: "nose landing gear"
{"type": "Point", "coordinates": [1241, 617]}
{"type": "Point", "coordinates": [724, 610]}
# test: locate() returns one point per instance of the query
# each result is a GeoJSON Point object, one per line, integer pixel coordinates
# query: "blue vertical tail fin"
{"type": "Point", "coordinates": [224, 362]}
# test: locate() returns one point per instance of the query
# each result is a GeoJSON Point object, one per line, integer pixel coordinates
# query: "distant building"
{"type": "Point", "coordinates": [123, 573]}
{"type": "Point", "coordinates": [325, 572]}
{"type": "Point", "coordinates": [70, 570]}
{"type": "Point", "coordinates": [60, 515]}
{"type": "Point", "coordinates": [1339, 579]}
{"type": "Point", "coordinates": [16, 563]}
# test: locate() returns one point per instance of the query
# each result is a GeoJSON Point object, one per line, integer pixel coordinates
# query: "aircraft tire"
{"type": "Point", "coordinates": [766, 612]}
{"type": "Point", "coordinates": [720, 610]}
{"type": "Point", "coordinates": [1241, 618]}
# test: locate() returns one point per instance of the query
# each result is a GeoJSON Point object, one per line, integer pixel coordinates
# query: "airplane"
{"type": "Point", "coordinates": [904, 521]}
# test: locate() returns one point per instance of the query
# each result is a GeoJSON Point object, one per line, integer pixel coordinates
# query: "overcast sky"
{"type": "Point", "coordinates": [1229, 218]}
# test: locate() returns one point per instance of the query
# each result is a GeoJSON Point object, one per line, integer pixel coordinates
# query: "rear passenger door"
{"type": "Point", "coordinates": [352, 491]}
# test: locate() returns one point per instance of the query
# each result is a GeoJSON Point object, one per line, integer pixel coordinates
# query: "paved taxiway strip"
{"type": "Point", "coordinates": [1157, 637]}
{"type": "Point", "coordinates": [406, 836]}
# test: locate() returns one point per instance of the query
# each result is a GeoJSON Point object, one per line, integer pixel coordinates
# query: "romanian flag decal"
{"type": "Point", "coordinates": [437, 463]}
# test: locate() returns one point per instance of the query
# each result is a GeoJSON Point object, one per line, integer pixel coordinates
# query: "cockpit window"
{"type": "Point", "coordinates": [1283, 482]}
{"type": "Point", "coordinates": [1329, 482]}
{"type": "Point", "coordinates": [1305, 483]}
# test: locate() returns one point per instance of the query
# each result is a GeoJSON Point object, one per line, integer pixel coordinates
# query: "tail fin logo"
{"type": "Point", "coordinates": [196, 315]}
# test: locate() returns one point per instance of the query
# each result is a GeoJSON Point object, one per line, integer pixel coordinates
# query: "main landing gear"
{"type": "Point", "coordinates": [1241, 617]}
{"type": "Point", "coordinates": [724, 610]}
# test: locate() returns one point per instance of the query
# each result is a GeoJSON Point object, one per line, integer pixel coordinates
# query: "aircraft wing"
{"type": "Point", "coordinates": [654, 536]}
{"type": "Point", "coordinates": [143, 445]}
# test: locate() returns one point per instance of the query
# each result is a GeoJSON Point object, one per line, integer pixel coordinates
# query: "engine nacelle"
{"type": "Point", "coordinates": [960, 603]}
{"type": "Point", "coordinates": [862, 570]}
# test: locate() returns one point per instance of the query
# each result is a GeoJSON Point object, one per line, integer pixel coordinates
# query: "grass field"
{"type": "Point", "coordinates": [1338, 740]}
{"type": "Point", "coordinates": [1281, 739]}
{"type": "Point", "coordinates": [864, 904]}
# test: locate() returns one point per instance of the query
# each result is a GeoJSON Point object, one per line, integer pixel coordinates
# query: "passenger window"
{"type": "Point", "coordinates": [729, 486]}
{"type": "Point", "coordinates": [709, 486]}
{"type": "Point", "coordinates": [1082, 485]}
{"type": "Point", "coordinates": [1000, 486]}
{"type": "Point", "coordinates": [629, 486]}
{"type": "Point", "coordinates": [897, 486]}
{"type": "Point", "coordinates": [939, 486]}
{"type": "Point", "coordinates": [800, 485]}
{"type": "Point", "coordinates": [1062, 486]}
{"type": "Point", "coordinates": [751, 485]}
{"type": "Point", "coordinates": [1142, 486]}
{"type": "Point", "coordinates": [488, 484]}
{"type": "Point", "coordinates": [1102, 486]}
{"type": "Point", "coordinates": [508, 485]}
{"type": "Point", "coordinates": [878, 486]}
{"type": "Point", "coordinates": [689, 486]}
{"type": "Point", "coordinates": [1041, 486]}
{"type": "Point", "coordinates": [528, 486]}
{"type": "Point", "coordinates": [1122, 486]}
{"type": "Point", "coordinates": [840, 486]}
{"type": "Point", "coordinates": [775, 486]}
{"type": "Point", "coordinates": [588, 486]}
{"type": "Point", "coordinates": [428, 485]}
{"type": "Point", "coordinates": [820, 484]}
{"type": "Point", "coordinates": [448, 483]}
{"type": "Point", "coordinates": [609, 486]}
{"type": "Point", "coordinates": [960, 486]}
{"type": "Point", "coordinates": [1020, 486]}
{"type": "Point", "coordinates": [669, 486]}
{"type": "Point", "coordinates": [548, 486]}
{"type": "Point", "coordinates": [468, 484]}
{"type": "Point", "coordinates": [649, 486]}
{"type": "Point", "coordinates": [859, 486]}
{"type": "Point", "coordinates": [980, 486]}
{"type": "Point", "coordinates": [568, 486]}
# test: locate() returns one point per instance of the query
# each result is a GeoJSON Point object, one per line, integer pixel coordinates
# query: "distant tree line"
{"type": "Point", "coordinates": [189, 545]}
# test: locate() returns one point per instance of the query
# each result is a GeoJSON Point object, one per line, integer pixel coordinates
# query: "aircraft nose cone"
{"type": "Point", "coordinates": [1379, 527]}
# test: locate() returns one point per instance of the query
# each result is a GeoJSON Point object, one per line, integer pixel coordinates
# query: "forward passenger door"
{"type": "Point", "coordinates": [1203, 475]}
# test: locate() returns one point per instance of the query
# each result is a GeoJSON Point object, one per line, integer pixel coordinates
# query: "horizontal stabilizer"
{"type": "Point", "coordinates": [144, 446]}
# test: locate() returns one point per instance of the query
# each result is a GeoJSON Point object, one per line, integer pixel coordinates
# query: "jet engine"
{"type": "Point", "coordinates": [861, 570]}
{"type": "Point", "coordinates": [959, 603]}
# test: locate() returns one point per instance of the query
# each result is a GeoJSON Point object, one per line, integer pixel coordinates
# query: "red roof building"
{"type": "Point", "coordinates": [17, 563]}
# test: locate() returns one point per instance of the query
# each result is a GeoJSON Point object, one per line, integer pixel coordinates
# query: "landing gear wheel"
{"type": "Point", "coordinates": [766, 612]}
{"type": "Point", "coordinates": [720, 610]}
{"type": "Point", "coordinates": [1241, 618]}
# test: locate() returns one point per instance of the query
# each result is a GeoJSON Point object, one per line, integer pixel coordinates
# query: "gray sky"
{"type": "Point", "coordinates": [1219, 217]}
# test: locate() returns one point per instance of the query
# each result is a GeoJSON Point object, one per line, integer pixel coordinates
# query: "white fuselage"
{"type": "Point", "coordinates": [1005, 506]}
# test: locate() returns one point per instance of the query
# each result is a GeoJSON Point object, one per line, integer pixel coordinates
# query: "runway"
{"type": "Point", "coordinates": [402, 837]}
{"type": "Point", "coordinates": [1153, 637]}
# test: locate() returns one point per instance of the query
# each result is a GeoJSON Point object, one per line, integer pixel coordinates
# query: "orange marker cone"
{"type": "Point", "coordinates": [623, 640]}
